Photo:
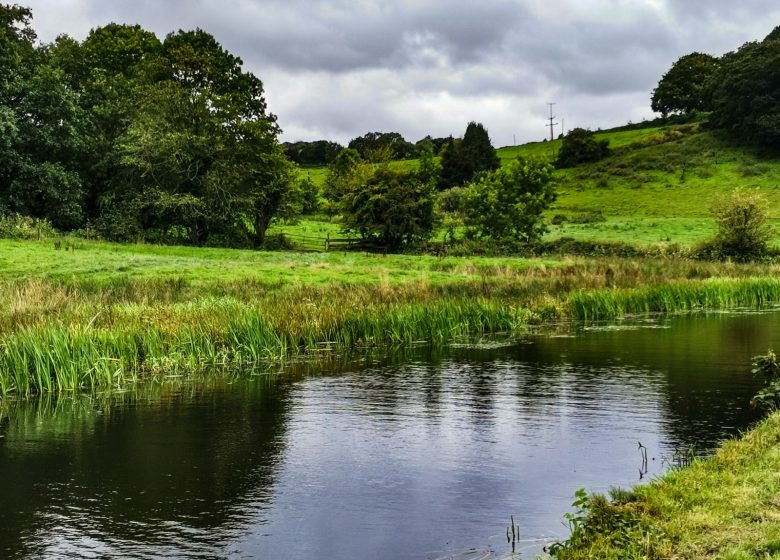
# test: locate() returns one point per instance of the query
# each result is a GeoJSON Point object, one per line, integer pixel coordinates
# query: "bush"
{"type": "Point", "coordinates": [16, 226]}
{"type": "Point", "coordinates": [508, 203]}
{"type": "Point", "coordinates": [581, 146]}
{"type": "Point", "coordinates": [743, 232]}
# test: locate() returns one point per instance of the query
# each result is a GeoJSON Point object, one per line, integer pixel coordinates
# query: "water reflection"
{"type": "Point", "coordinates": [405, 456]}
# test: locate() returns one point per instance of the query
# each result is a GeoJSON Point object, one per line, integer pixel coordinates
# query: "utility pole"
{"type": "Point", "coordinates": [552, 124]}
{"type": "Point", "coordinates": [563, 127]}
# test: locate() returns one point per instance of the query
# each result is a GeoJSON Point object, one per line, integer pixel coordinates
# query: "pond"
{"type": "Point", "coordinates": [418, 455]}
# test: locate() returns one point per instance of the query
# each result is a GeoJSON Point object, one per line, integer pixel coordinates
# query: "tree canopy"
{"type": "Point", "coordinates": [382, 146]}
{"type": "Point", "coordinates": [685, 87]}
{"type": "Point", "coordinates": [745, 99]}
{"type": "Point", "coordinates": [507, 204]}
{"type": "Point", "coordinates": [169, 140]}
{"type": "Point", "coordinates": [462, 160]}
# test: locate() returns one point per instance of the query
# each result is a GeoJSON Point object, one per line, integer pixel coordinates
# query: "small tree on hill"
{"type": "Point", "coordinates": [474, 154]}
{"type": "Point", "coordinates": [508, 203]}
{"type": "Point", "coordinates": [581, 146]}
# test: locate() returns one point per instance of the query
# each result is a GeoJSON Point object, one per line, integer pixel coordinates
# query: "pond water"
{"type": "Point", "coordinates": [423, 455]}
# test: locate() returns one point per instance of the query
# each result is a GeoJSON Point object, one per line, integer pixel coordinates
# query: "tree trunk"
{"type": "Point", "coordinates": [261, 222]}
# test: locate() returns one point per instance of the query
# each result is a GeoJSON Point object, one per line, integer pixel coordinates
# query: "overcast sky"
{"type": "Point", "coordinates": [337, 69]}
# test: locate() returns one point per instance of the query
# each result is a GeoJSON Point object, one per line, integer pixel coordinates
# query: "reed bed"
{"type": "Point", "coordinates": [71, 336]}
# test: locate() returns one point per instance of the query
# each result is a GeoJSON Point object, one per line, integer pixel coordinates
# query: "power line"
{"type": "Point", "coordinates": [552, 124]}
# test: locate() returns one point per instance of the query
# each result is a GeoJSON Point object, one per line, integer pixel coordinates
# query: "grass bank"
{"type": "Point", "coordinates": [102, 315]}
{"type": "Point", "coordinates": [726, 507]}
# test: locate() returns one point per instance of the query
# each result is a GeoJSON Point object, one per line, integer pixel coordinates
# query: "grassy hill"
{"type": "Point", "coordinates": [656, 187]}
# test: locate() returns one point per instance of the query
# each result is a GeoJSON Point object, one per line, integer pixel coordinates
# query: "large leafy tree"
{"type": "Point", "coordinates": [41, 123]}
{"type": "Point", "coordinates": [685, 87]}
{"type": "Point", "coordinates": [745, 99]}
{"type": "Point", "coordinates": [201, 151]}
{"type": "Point", "coordinates": [508, 203]}
{"type": "Point", "coordinates": [377, 146]}
{"type": "Point", "coordinates": [392, 208]}
{"type": "Point", "coordinates": [472, 155]}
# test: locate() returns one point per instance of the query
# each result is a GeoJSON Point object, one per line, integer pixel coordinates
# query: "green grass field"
{"type": "Point", "coordinates": [100, 261]}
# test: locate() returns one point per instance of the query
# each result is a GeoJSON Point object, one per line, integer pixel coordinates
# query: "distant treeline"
{"type": "Point", "coordinates": [372, 146]}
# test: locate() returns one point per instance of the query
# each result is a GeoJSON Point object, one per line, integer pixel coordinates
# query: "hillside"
{"type": "Point", "coordinates": [656, 187]}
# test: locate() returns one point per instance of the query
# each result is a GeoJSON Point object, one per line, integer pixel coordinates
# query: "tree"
{"type": "Point", "coordinates": [581, 146]}
{"type": "Point", "coordinates": [41, 124]}
{"type": "Point", "coordinates": [508, 203]}
{"type": "Point", "coordinates": [393, 208]}
{"type": "Point", "coordinates": [462, 161]}
{"type": "Point", "coordinates": [347, 172]}
{"type": "Point", "coordinates": [685, 87]}
{"type": "Point", "coordinates": [106, 71]}
{"type": "Point", "coordinates": [744, 97]}
{"type": "Point", "coordinates": [201, 151]}
{"type": "Point", "coordinates": [428, 169]}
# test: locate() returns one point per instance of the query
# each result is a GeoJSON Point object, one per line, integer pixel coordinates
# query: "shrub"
{"type": "Point", "coordinates": [581, 146]}
{"type": "Point", "coordinates": [743, 232]}
{"type": "Point", "coordinates": [508, 203]}
{"type": "Point", "coordinates": [768, 368]}
{"type": "Point", "coordinates": [16, 226]}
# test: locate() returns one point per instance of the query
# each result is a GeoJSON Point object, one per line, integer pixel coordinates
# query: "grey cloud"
{"type": "Point", "coordinates": [339, 68]}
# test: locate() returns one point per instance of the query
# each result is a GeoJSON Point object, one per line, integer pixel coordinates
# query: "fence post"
{"type": "Point", "coordinates": [327, 242]}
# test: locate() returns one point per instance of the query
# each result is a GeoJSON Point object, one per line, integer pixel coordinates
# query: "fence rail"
{"type": "Point", "coordinates": [328, 243]}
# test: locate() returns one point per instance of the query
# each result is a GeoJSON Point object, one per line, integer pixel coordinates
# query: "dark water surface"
{"type": "Point", "coordinates": [407, 457]}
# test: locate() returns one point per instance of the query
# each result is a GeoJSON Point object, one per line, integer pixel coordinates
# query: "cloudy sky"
{"type": "Point", "coordinates": [336, 69]}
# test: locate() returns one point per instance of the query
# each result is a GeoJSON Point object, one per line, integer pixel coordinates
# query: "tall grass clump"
{"type": "Point", "coordinates": [681, 296]}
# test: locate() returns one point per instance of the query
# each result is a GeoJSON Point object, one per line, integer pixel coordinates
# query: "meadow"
{"type": "Point", "coordinates": [91, 315]}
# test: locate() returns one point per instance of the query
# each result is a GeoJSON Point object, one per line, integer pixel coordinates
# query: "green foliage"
{"type": "Point", "coordinates": [461, 161]}
{"type": "Point", "coordinates": [581, 146]}
{"type": "Point", "coordinates": [345, 174]}
{"type": "Point", "coordinates": [768, 369]}
{"type": "Point", "coordinates": [744, 96]}
{"type": "Point", "coordinates": [509, 202]}
{"type": "Point", "coordinates": [428, 169]}
{"type": "Point", "coordinates": [615, 528]}
{"type": "Point", "coordinates": [393, 209]}
{"type": "Point", "coordinates": [167, 141]}
{"type": "Point", "coordinates": [309, 196]}
{"type": "Point", "coordinates": [319, 152]}
{"type": "Point", "coordinates": [15, 226]}
{"type": "Point", "coordinates": [743, 232]}
{"type": "Point", "coordinates": [201, 152]}
{"type": "Point", "coordinates": [685, 87]}
{"type": "Point", "coordinates": [382, 146]}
